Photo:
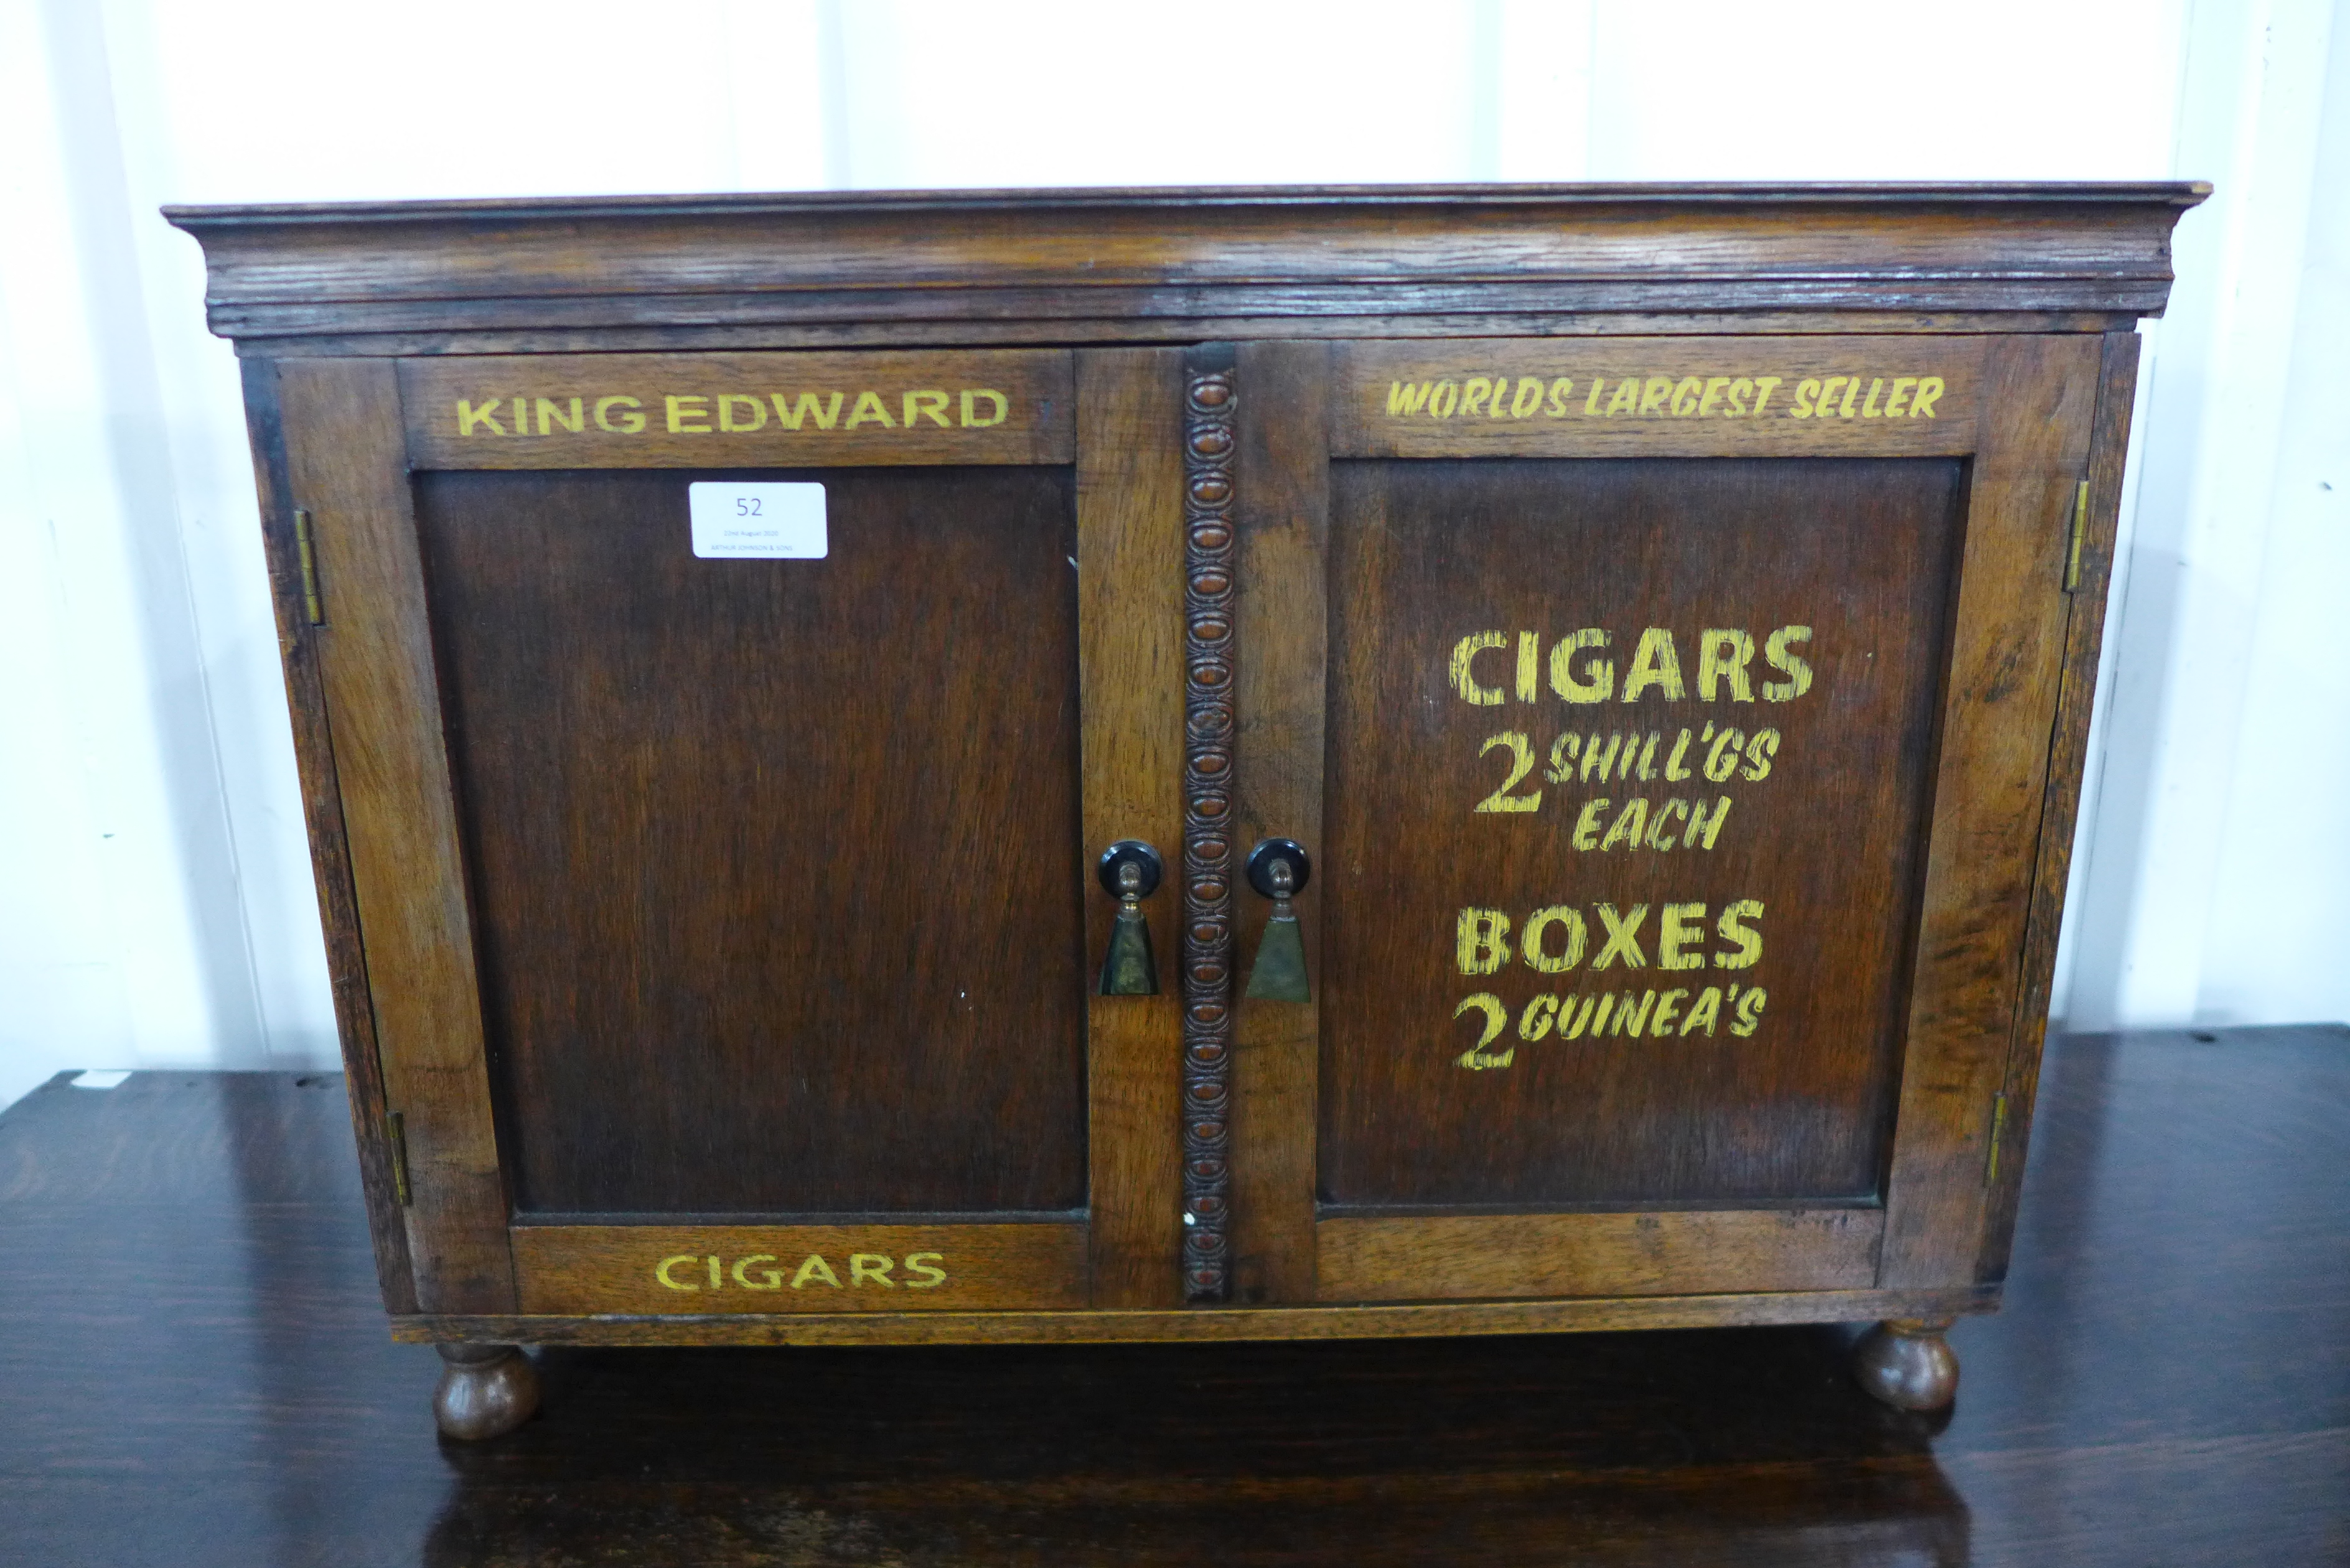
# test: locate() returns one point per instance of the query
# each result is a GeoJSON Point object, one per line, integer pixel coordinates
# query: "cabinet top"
{"type": "Point", "coordinates": [851, 268]}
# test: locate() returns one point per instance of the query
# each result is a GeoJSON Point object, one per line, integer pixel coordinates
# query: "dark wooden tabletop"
{"type": "Point", "coordinates": [194, 1370]}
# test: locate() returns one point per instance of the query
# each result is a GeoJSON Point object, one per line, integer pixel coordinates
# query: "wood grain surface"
{"type": "Point", "coordinates": [743, 834]}
{"type": "Point", "coordinates": [1842, 395]}
{"type": "Point", "coordinates": [1131, 675]}
{"type": "Point", "coordinates": [344, 465]}
{"type": "Point", "coordinates": [582, 1270]}
{"type": "Point", "coordinates": [717, 410]}
{"type": "Point", "coordinates": [1091, 266]}
{"type": "Point", "coordinates": [2000, 705]}
{"type": "Point", "coordinates": [1788, 1099]}
{"type": "Point", "coordinates": [192, 1303]}
{"type": "Point", "coordinates": [1692, 1253]}
{"type": "Point", "coordinates": [1282, 619]}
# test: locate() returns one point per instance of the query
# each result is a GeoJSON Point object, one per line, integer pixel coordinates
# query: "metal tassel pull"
{"type": "Point", "coordinates": [1129, 872]}
{"type": "Point", "coordinates": [1277, 869]}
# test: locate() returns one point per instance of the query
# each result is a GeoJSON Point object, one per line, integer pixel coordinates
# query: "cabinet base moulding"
{"type": "Point", "coordinates": [1404, 1321]}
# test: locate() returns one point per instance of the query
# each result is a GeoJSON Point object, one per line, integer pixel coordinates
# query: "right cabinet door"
{"type": "Point", "coordinates": [1668, 721]}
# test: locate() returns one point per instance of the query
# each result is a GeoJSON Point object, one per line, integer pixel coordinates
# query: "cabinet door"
{"type": "Point", "coordinates": [721, 738]}
{"type": "Point", "coordinates": [1668, 721]}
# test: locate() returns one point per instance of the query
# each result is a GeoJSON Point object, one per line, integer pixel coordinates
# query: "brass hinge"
{"type": "Point", "coordinates": [1998, 1131]}
{"type": "Point", "coordinates": [2080, 532]}
{"type": "Point", "coordinates": [301, 548]}
{"type": "Point", "coordinates": [395, 1136]}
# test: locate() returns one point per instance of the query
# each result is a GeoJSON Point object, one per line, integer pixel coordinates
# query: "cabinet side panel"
{"type": "Point", "coordinates": [347, 467]}
{"type": "Point", "coordinates": [1130, 681]}
{"type": "Point", "coordinates": [2006, 664]}
{"type": "Point", "coordinates": [322, 812]}
{"type": "Point", "coordinates": [2084, 636]}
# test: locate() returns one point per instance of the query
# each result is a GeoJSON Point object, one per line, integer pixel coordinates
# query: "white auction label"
{"type": "Point", "coordinates": [735, 522]}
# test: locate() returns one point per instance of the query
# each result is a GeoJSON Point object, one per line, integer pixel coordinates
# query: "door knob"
{"type": "Point", "coordinates": [1277, 869]}
{"type": "Point", "coordinates": [1129, 871]}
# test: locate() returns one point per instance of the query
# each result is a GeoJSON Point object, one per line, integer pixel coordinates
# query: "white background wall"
{"type": "Point", "coordinates": [155, 902]}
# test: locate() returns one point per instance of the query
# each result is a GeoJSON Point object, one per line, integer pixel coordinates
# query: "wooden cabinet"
{"type": "Point", "coordinates": [1651, 629]}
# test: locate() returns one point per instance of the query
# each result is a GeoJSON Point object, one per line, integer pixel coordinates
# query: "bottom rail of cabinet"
{"type": "Point", "coordinates": [1108, 1325]}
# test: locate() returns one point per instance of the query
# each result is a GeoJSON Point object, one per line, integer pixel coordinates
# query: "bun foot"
{"type": "Point", "coordinates": [1907, 1363]}
{"type": "Point", "coordinates": [486, 1391]}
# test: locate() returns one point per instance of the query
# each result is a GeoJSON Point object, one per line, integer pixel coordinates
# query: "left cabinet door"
{"type": "Point", "coordinates": [724, 741]}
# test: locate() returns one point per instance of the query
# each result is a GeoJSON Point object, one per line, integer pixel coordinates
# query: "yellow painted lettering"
{"type": "Point", "coordinates": [522, 416]}
{"type": "Point", "coordinates": [1497, 1017]}
{"type": "Point", "coordinates": [1521, 762]}
{"type": "Point", "coordinates": [1539, 1014]}
{"type": "Point", "coordinates": [1481, 940]}
{"type": "Point", "coordinates": [1661, 823]}
{"type": "Point", "coordinates": [630, 421]}
{"type": "Point", "coordinates": [1574, 1020]}
{"type": "Point", "coordinates": [1529, 666]}
{"type": "Point", "coordinates": [1562, 757]}
{"type": "Point", "coordinates": [1868, 409]}
{"type": "Point", "coordinates": [769, 1279]}
{"type": "Point", "coordinates": [858, 414]}
{"type": "Point", "coordinates": [814, 1268]}
{"type": "Point", "coordinates": [550, 417]}
{"type": "Point", "coordinates": [728, 421]}
{"type": "Point", "coordinates": [1473, 393]}
{"type": "Point", "coordinates": [1805, 392]}
{"type": "Point", "coordinates": [1763, 385]}
{"type": "Point", "coordinates": [1899, 395]}
{"type": "Point", "coordinates": [1851, 390]}
{"type": "Point", "coordinates": [874, 1266]}
{"type": "Point", "coordinates": [790, 413]}
{"type": "Point", "coordinates": [1684, 925]}
{"type": "Point", "coordinates": [468, 416]}
{"type": "Point", "coordinates": [1599, 682]}
{"type": "Point", "coordinates": [1722, 757]}
{"type": "Point", "coordinates": [1444, 400]}
{"type": "Point", "coordinates": [999, 405]}
{"type": "Point", "coordinates": [1705, 1012]}
{"type": "Point", "coordinates": [1686, 395]}
{"type": "Point", "coordinates": [1714, 388]}
{"type": "Point", "coordinates": [661, 1269]}
{"type": "Point", "coordinates": [1739, 389]}
{"type": "Point", "coordinates": [1653, 395]}
{"type": "Point", "coordinates": [1631, 1021]}
{"type": "Point", "coordinates": [1827, 394]}
{"type": "Point", "coordinates": [1586, 823]}
{"type": "Point", "coordinates": [1623, 938]}
{"type": "Point", "coordinates": [1555, 408]}
{"type": "Point", "coordinates": [1921, 406]}
{"type": "Point", "coordinates": [1464, 679]}
{"type": "Point", "coordinates": [1776, 650]}
{"type": "Point", "coordinates": [1705, 827]}
{"type": "Point", "coordinates": [924, 405]}
{"type": "Point", "coordinates": [1746, 941]}
{"type": "Point", "coordinates": [1654, 663]}
{"type": "Point", "coordinates": [1530, 940]}
{"type": "Point", "coordinates": [1722, 654]}
{"type": "Point", "coordinates": [1526, 400]}
{"type": "Point", "coordinates": [1673, 769]}
{"type": "Point", "coordinates": [1749, 1012]}
{"type": "Point", "coordinates": [1668, 1007]}
{"type": "Point", "coordinates": [926, 1264]}
{"type": "Point", "coordinates": [1644, 772]}
{"type": "Point", "coordinates": [680, 415]}
{"type": "Point", "coordinates": [1591, 399]}
{"type": "Point", "coordinates": [1596, 762]}
{"type": "Point", "coordinates": [1625, 397]}
{"type": "Point", "coordinates": [1759, 752]}
{"type": "Point", "coordinates": [716, 1279]}
{"type": "Point", "coordinates": [1406, 398]}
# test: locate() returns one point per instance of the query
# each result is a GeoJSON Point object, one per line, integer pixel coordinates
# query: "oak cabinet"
{"type": "Point", "coordinates": [1585, 686]}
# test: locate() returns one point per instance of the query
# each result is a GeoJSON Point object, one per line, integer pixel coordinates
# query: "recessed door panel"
{"type": "Point", "coordinates": [1628, 769]}
{"type": "Point", "coordinates": [774, 863]}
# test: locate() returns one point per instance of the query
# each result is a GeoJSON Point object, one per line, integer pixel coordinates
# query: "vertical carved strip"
{"type": "Point", "coordinates": [1208, 733]}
